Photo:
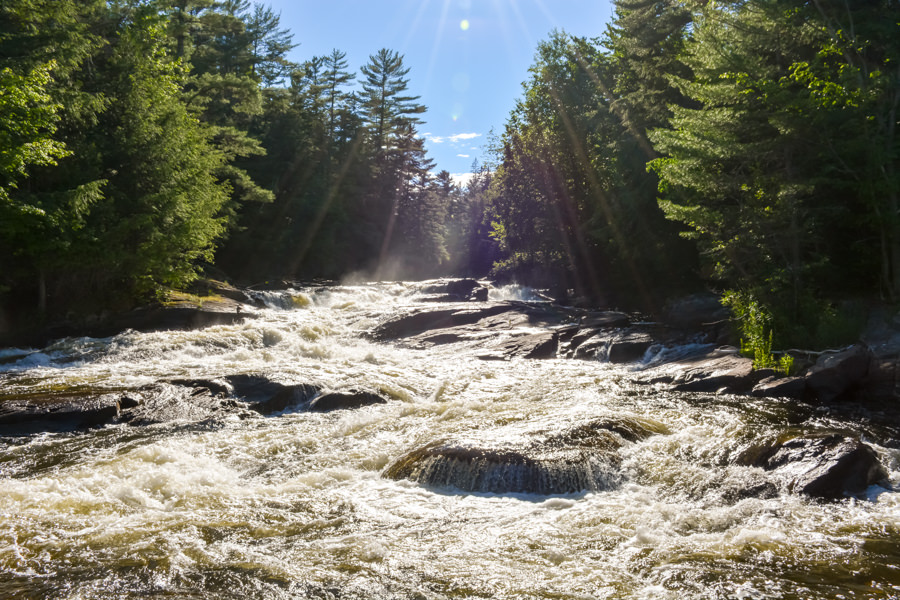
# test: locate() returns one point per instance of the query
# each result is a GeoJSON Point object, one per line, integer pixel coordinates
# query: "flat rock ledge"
{"type": "Point", "coordinates": [175, 316]}
{"type": "Point", "coordinates": [175, 400]}
{"type": "Point", "coordinates": [850, 375]}
{"type": "Point", "coordinates": [508, 330]}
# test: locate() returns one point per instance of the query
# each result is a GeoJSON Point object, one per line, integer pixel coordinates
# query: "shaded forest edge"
{"type": "Point", "coordinates": [749, 148]}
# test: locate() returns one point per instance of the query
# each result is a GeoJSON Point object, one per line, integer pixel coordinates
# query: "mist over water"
{"type": "Point", "coordinates": [295, 505]}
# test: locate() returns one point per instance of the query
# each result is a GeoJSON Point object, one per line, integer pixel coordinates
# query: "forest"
{"type": "Point", "coordinates": [748, 147]}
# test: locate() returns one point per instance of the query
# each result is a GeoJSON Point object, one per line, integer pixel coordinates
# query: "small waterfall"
{"type": "Point", "coordinates": [581, 459]}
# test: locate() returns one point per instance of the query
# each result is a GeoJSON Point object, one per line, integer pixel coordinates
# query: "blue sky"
{"type": "Point", "coordinates": [467, 58]}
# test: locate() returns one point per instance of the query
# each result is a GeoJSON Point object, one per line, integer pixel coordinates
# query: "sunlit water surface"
{"type": "Point", "coordinates": [294, 505]}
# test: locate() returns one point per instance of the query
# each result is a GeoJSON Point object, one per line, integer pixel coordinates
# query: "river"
{"type": "Point", "coordinates": [295, 505]}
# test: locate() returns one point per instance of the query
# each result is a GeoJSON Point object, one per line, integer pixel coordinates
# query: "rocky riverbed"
{"type": "Point", "coordinates": [455, 388]}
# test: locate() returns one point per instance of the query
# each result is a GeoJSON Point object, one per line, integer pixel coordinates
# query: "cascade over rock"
{"type": "Point", "coordinates": [584, 458]}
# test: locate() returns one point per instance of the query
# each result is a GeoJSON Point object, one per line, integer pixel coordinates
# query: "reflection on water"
{"type": "Point", "coordinates": [295, 506]}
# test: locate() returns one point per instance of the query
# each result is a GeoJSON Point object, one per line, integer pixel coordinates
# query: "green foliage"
{"type": "Point", "coordinates": [136, 136]}
{"type": "Point", "coordinates": [755, 326]}
{"type": "Point", "coordinates": [571, 195]}
{"type": "Point", "coordinates": [28, 118]}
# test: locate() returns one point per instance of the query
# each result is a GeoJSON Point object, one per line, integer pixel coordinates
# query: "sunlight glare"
{"type": "Point", "coordinates": [464, 24]}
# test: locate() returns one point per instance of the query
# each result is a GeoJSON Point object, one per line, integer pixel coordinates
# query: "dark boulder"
{"type": "Point", "coordinates": [457, 287]}
{"type": "Point", "coordinates": [834, 375]}
{"type": "Point", "coordinates": [459, 290]}
{"type": "Point", "coordinates": [827, 466]}
{"type": "Point", "coordinates": [628, 347]}
{"type": "Point", "coordinates": [882, 383]}
{"type": "Point", "coordinates": [584, 458]}
{"type": "Point", "coordinates": [266, 396]}
{"type": "Point", "coordinates": [478, 295]}
{"type": "Point", "coordinates": [695, 312]}
{"type": "Point", "coordinates": [596, 346]}
{"type": "Point", "coordinates": [57, 412]}
{"type": "Point", "coordinates": [428, 320]}
{"type": "Point", "coordinates": [216, 387]}
{"type": "Point", "coordinates": [781, 387]}
{"type": "Point", "coordinates": [344, 400]}
{"type": "Point", "coordinates": [580, 336]}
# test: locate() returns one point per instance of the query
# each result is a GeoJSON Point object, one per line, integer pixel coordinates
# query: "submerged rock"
{"type": "Point", "coordinates": [164, 402]}
{"type": "Point", "coordinates": [827, 466]}
{"type": "Point", "coordinates": [882, 382]}
{"type": "Point", "coordinates": [344, 400]}
{"type": "Point", "coordinates": [584, 458]}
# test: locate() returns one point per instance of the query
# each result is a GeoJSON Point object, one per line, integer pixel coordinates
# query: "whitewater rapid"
{"type": "Point", "coordinates": [295, 506]}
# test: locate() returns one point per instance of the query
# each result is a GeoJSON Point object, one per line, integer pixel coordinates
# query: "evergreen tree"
{"type": "Point", "coordinates": [336, 79]}
{"type": "Point", "coordinates": [387, 108]}
{"type": "Point", "coordinates": [647, 38]}
{"type": "Point", "coordinates": [269, 46]}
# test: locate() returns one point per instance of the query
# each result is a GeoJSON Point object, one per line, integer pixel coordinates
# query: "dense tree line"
{"type": "Point", "coordinates": [748, 145]}
{"type": "Point", "coordinates": [142, 141]}
{"type": "Point", "coordinates": [770, 132]}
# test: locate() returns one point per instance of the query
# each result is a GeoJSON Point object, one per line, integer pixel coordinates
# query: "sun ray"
{"type": "Point", "coordinates": [435, 47]}
{"type": "Point", "coordinates": [422, 7]}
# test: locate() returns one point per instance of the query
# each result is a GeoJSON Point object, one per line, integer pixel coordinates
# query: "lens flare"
{"type": "Point", "coordinates": [464, 24]}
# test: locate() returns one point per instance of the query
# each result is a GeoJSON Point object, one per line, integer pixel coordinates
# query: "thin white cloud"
{"type": "Point", "coordinates": [464, 155]}
{"type": "Point", "coordinates": [453, 139]}
{"type": "Point", "coordinates": [463, 136]}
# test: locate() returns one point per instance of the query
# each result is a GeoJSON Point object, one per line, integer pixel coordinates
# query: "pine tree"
{"type": "Point", "coordinates": [646, 38]}
{"type": "Point", "coordinates": [269, 46]}
{"type": "Point", "coordinates": [387, 109]}
{"type": "Point", "coordinates": [336, 79]}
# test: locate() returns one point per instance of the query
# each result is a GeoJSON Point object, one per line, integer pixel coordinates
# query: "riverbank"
{"type": "Point", "coordinates": [685, 347]}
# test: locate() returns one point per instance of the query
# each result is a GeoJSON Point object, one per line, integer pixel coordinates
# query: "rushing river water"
{"type": "Point", "coordinates": [295, 505]}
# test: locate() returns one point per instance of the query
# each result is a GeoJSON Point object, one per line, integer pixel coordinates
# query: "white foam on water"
{"type": "Point", "coordinates": [265, 506]}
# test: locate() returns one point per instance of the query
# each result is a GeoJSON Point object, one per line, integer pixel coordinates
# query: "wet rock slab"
{"type": "Point", "coordinates": [506, 330]}
{"type": "Point", "coordinates": [174, 400]}
{"type": "Point", "coordinates": [57, 412]}
{"type": "Point", "coordinates": [780, 387]}
{"type": "Point", "coordinates": [721, 370]}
